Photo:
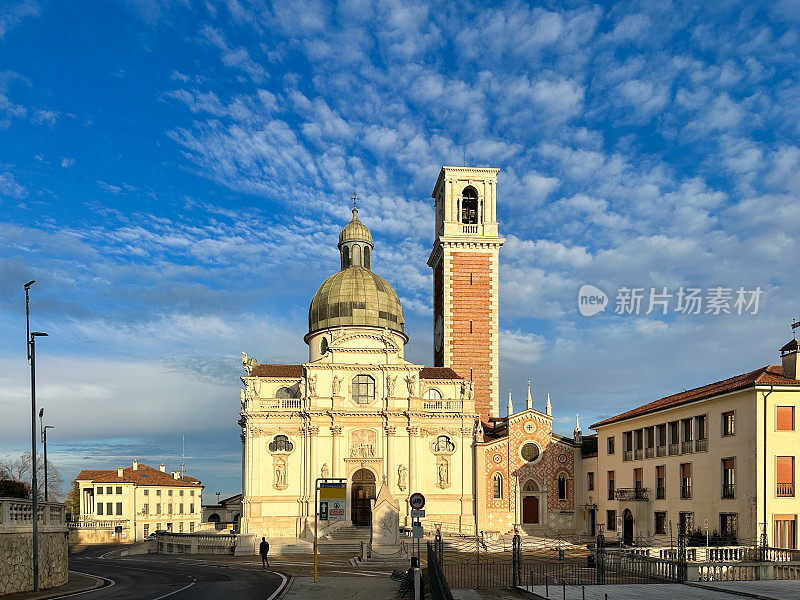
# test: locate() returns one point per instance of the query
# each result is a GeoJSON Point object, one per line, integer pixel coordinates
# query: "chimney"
{"type": "Point", "coordinates": [162, 467]}
{"type": "Point", "coordinates": [176, 474]}
{"type": "Point", "coordinates": [119, 472]}
{"type": "Point", "coordinates": [135, 464]}
{"type": "Point", "coordinates": [789, 362]}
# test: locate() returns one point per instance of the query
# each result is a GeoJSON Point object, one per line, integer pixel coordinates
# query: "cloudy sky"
{"type": "Point", "coordinates": [174, 174]}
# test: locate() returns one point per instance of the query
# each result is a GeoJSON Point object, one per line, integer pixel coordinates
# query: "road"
{"type": "Point", "coordinates": [152, 577]}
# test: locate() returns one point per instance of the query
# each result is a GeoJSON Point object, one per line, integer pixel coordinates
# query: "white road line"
{"type": "Point", "coordinates": [186, 587]}
{"type": "Point", "coordinates": [280, 588]}
{"type": "Point", "coordinates": [111, 583]}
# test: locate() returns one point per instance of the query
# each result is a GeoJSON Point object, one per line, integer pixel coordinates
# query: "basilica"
{"type": "Point", "coordinates": [357, 410]}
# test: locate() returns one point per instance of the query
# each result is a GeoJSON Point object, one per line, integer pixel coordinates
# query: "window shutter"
{"type": "Point", "coordinates": [727, 464]}
{"type": "Point", "coordinates": [637, 474]}
{"type": "Point", "coordinates": [785, 469]}
{"type": "Point", "coordinates": [785, 418]}
{"type": "Point", "coordinates": [660, 471]}
{"type": "Point", "coordinates": [686, 470]}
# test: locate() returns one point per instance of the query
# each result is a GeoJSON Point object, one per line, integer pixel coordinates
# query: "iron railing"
{"type": "Point", "coordinates": [785, 490]}
{"type": "Point", "coordinates": [436, 579]}
{"type": "Point", "coordinates": [728, 490]}
{"type": "Point", "coordinates": [624, 494]}
{"type": "Point", "coordinates": [701, 445]}
{"type": "Point", "coordinates": [686, 491]}
{"type": "Point", "coordinates": [673, 449]}
{"type": "Point", "coordinates": [687, 447]}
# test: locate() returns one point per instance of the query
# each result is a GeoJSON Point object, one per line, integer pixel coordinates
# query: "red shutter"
{"type": "Point", "coordinates": [727, 464]}
{"type": "Point", "coordinates": [785, 470]}
{"type": "Point", "coordinates": [785, 418]}
{"type": "Point", "coordinates": [637, 473]}
{"type": "Point", "coordinates": [686, 470]}
{"type": "Point", "coordinates": [660, 471]}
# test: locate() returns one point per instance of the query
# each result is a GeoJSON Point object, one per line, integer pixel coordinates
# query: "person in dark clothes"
{"type": "Point", "coordinates": [263, 550]}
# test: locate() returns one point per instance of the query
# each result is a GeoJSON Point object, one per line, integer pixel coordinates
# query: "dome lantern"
{"type": "Point", "coordinates": [355, 242]}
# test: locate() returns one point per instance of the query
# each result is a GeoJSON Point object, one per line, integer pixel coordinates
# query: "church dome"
{"type": "Point", "coordinates": [355, 296]}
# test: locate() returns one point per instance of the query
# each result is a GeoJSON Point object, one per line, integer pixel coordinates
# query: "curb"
{"type": "Point", "coordinates": [729, 591]}
{"type": "Point", "coordinates": [98, 583]}
{"type": "Point", "coordinates": [281, 592]}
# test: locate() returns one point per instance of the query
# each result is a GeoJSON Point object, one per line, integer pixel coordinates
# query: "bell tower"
{"type": "Point", "coordinates": [465, 263]}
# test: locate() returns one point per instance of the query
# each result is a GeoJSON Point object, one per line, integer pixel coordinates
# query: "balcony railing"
{"type": "Point", "coordinates": [661, 492]}
{"type": "Point", "coordinates": [687, 447]}
{"type": "Point", "coordinates": [444, 405]}
{"type": "Point", "coordinates": [701, 445]}
{"type": "Point", "coordinates": [686, 491]}
{"type": "Point", "coordinates": [627, 455]}
{"type": "Point", "coordinates": [469, 229]}
{"type": "Point", "coordinates": [258, 404]}
{"type": "Point", "coordinates": [661, 451]}
{"type": "Point", "coordinates": [639, 454]}
{"type": "Point", "coordinates": [728, 490]}
{"type": "Point", "coordinates": [785, 490]}
{"type": "Point", "coordinates": [673, 449]}
{"type": "Point", "coordinates": [649, 452]}
{"type": "Point", "coordinates": [625, 494]}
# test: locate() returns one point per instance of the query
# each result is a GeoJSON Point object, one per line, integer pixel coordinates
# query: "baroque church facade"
{"type": "Point", "coordinates": [359, 411]}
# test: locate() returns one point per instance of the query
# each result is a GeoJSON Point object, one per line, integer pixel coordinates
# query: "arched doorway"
{"type": "Point", "coordinates": [362, 491]}
{"type": "Point", "coordinates": [214, 518]}
{"type": "Point", "coordinates": [530, 503]}
{"type": "Point", "coordinates": [627, 527]}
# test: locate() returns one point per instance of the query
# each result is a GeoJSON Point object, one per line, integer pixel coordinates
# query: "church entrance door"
{"type": "Point", "coordinates": [530, 510]}
{"type": "Point", "coordinates": [362, 491]}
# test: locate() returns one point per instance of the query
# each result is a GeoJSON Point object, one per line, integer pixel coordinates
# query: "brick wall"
{"type": "Point", "coordinates": [470, 274]}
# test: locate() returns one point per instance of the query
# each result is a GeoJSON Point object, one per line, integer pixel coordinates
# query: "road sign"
{"type": "Point", "coordinates": [117, 529]}
{"type": "Point", "coordinates": [416, 500]}
{"type": "Point", "coordinates": [416, 531]}
{"type": "Point", "coordinates": [332, 494]}
{"type": "Point", "coordinates": [417, 513]}
{"type": "Point", "coordinates": [706, 524]}
{"type": "Point", "coordinates": [619, 526]}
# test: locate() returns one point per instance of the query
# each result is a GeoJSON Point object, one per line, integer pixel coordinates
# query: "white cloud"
{"type": "Point", "coordinates": [10, 187]}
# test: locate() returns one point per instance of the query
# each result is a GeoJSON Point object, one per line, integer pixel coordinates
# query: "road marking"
{"type": "Point", "coordinates": [186, 587]}
{"type": "Point", "coordinates": [111, 583]}
{"type": "Point", "coordinates": [280, 589]}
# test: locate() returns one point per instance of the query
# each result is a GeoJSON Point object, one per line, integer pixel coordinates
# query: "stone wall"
{"type": "Point", "coordinates": [16, 561]}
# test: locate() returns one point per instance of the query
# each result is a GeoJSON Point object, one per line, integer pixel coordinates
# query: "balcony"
{"type": "Point", "coordinates": [627, 455]}
{"type": "Point", "coordinates": [661, 451]}
{"type": "Point", "coordinates": [687, 447]}
{"type": "Point", "coordinates": [661, 492]}
{"type": "Point", "coordinates": [701, 445]}
{"type": "Point", "coordinates": [728, 490]}
{"type": "Point", "coordinates": [673, 449]}
{"type": "Point", "coordinates": [639, 454]}
{"type": "Point", "coordinates": [626, 494]}
{"type": "Point", "coordinates": [443, 405]}
{"type": "Point", "coordinates": [649, 452]}
{"type": "Point", "coordinates": [785, 490]}
{"type": "Point", "coordinates": [686, 491]}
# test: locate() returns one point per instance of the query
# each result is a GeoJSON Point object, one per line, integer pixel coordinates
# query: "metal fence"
{"type": "Point", "coordinates": [437, 581]}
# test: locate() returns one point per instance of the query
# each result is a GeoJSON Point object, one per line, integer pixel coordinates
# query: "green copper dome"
{"type": "Point", "coordinates": [355, 296]}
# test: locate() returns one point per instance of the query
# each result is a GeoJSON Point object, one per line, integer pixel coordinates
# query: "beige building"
{"type": "Point", "coordinates": [145, 499]}
{"type": "Point", "coordinates": [723, 453]}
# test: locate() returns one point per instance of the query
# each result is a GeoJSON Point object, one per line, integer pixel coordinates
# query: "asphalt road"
{"type": "Point", "coordinates": [147, 577]}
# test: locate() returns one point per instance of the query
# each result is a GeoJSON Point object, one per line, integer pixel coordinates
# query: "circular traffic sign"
{"type": "Point", "coordinates": [416, 500]}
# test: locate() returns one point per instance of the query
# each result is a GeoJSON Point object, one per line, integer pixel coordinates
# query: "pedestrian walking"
{"type": "Point", "coordinates": [263, 550]}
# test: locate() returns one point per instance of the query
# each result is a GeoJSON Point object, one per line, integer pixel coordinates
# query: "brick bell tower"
{"type": "Point", "coordinates": [465, 263]}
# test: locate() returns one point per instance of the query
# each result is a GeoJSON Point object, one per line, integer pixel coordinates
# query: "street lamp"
{"type": "Point", "coordinates": [32, 335]}
{"type": "Point", "coordinates": [44, 429]}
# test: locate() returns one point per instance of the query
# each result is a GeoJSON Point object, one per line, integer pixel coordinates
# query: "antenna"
{"type": "Point", "coordinates": [183, 454]}
{"type": "Point", "coordinates": [795, 325]}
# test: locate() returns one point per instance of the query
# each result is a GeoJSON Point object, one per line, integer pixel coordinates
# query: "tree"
{"type": "Point", "coordinates": [19, 469]}
{"type": "Point", "coordinates": [14, 489]}
{"type": "Point", "coordinates": [73, 503]}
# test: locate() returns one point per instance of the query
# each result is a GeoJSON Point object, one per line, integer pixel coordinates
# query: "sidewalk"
{"type": "Point", "coordinates": [723, 590]}
{"type": "Point", "coordinates": [366, 588]}
{"type": "Point", "coordinates": [78, 582]}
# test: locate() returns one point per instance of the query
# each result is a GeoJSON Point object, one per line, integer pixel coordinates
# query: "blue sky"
{"type": "Point", "coordinates": [173, 174]}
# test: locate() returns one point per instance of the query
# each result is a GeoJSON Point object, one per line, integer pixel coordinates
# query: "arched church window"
{"type": "Point", "coordinates": [469, 206]}
{"type": "Point", "coordinates": [443, 443]}
{"type": "Point", "coordinates": [285, 392]}
{"type": "Point", "coordinates": [345, 257]}
{"type": "Point", "coordinates": [497, 486]}
{"type": "Point", "coordinates": [562, 487]}
{"type": "Point", "coordinates": [280, 443]}
{"type": "Point", "coordinates": [366, 257]}
{"type": "Point", "coordinates": [323, 345]}
{"type": "Point", "coordinates": [363, 389]}
{"type": "Point", "coordinates": [433, 394]}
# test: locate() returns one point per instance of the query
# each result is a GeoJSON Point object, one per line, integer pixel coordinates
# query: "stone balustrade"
{"type": "Point", "coordinates": [16, 515]}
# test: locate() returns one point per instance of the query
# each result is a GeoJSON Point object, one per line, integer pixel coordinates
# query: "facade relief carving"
{"type": "Point", "coordinates": [324, 473]}
{"type": "Point", "coordinates": [312, 385]}
{"type": "Point", "coordinates": [363, 443]}
{"type": "Point", "coordinates": [401, 477]}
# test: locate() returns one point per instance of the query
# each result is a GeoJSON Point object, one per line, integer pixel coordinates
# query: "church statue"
{"type": "Point", "coordinates": [325, 471]}
{"type": "Point", "coordinates": [463, 389]}
{"type": "Point", "coordinates": [390, 381]}
{"type": "Point", "coordinates": [410, 380]}
{"type": "Point", "coordinates": [471, 390]}
{"type": "Point", "coordinates": [443, 475]}
{"type": "Point", "coordinates": [249, 363]}
{"type": "Point", "coordinates": [401, 478]}
{"type": "Point", "coordinates": [337, 385]}
{"type": "Point", "coordinates": [280, 473]}
{"type": "Point", "coordinates": [312, 385]}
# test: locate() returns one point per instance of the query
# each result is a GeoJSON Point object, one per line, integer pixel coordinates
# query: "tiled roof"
{"type": "Point", "coordinates": [769, 375]}
{"type": "Point", "coordinates": [438, 373]}
{"type": "Point", "coordinates": [143, 475]}
{"type": "Point", "coordinates": [283, 371]}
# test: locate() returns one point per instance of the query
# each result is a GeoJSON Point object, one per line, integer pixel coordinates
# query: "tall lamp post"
{"type": "Point", "coordinates": [44, 429]}
{"type": "Point", "coordinates": [32, 335]}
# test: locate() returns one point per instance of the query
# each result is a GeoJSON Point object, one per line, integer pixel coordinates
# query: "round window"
{"type": "Point", "coordinates": [530, 452]}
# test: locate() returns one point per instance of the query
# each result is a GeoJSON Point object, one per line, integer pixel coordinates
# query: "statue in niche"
{"type": "Point", "coordinates": [312, 385]}
{"type": "Point", "coordinates": [336, 385]}
{"type": "Point", "coordinates": [401, 478]}
{"type": "Point", "coordinates": [390, 381]}
{"type": "Point", "coordinates": [325, 471]}
{"type": "Point", "coordinates": [443, 472]}
{"type": "Point", "coordinates": [280, 473]}
{"type": "Point", "coordinates": [410, 380]}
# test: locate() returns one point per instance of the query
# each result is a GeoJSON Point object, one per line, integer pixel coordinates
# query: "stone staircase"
{"type": "Point", "coordinates": [349, 533]}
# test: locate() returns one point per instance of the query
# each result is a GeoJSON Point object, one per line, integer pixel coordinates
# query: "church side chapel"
{"type": "Point", "coordinates": [358, 410]}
